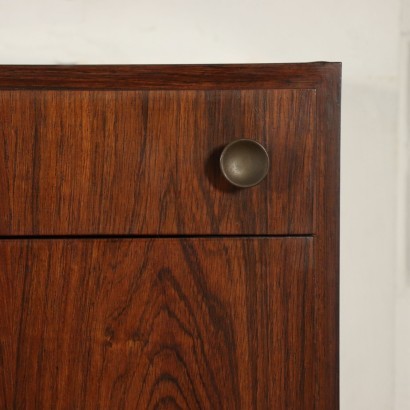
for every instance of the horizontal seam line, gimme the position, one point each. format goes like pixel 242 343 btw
pixel 119 236
pixel 153 88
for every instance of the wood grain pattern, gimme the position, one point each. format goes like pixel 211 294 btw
pixel 154 77
pixel 68 136
pixel 157 323
pixel 326 242
pixel 147 162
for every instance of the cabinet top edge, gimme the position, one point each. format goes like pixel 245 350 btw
pixel 187 76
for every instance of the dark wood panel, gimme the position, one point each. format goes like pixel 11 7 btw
pixel 327 199
pixel 149 77
pixel 160 323
pixel 147 162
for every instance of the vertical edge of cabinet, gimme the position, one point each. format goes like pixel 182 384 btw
pixel 326 248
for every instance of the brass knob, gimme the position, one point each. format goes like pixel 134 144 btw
pixel 244 163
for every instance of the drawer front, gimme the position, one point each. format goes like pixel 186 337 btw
pixel 147 161
pixel 106 324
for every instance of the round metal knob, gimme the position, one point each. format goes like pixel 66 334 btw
pixel 244 163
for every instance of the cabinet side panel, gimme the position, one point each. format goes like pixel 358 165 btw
pixel 327 212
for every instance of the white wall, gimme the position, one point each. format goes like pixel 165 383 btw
pixel 363 34
pixel 402 323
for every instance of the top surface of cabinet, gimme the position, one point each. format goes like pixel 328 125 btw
pixel 135 150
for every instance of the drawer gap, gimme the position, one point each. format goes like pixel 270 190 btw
pixel 120 236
